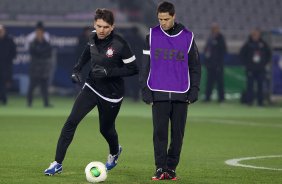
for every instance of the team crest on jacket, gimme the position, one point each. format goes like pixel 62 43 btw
pixel 110 52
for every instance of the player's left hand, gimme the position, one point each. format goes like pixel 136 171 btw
pixel 76 78
pixel 147 96
pixel 99 71
pixel 192 95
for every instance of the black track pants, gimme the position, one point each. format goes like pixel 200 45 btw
pixel 164 111
pixel 84 103
pixel 43 83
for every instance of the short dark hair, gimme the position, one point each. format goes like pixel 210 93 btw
pixel 39 25
pixel 105 15
pixel 165 7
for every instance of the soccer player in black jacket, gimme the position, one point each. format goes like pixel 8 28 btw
pixel 111 59
pixel 166 104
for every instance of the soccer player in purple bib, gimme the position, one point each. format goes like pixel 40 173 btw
pixel 170 78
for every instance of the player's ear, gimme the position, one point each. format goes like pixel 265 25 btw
pixel 112 27
pixel 94 24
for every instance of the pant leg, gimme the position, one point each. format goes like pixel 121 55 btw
pixel 220 83
pixel 161 114
pixel 178 122
pixel 84 103
pixel 211 79
pixel 250 87
pixel 108 112
pixel 259 80
pixel 44 91
pixel 3 90
pixel 32 85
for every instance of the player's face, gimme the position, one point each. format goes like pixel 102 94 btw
pixel 39 34
pixel 2 32
pixel 103 29
pixel 166 20
pixel 255 35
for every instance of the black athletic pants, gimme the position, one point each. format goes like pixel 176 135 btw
pixel 164 111
pixel 43 83
pixel 252 78
pixel 215 76
pixel 84 103
pixel 3 91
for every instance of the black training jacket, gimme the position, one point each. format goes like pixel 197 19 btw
pixel 249 49
pixel 114 54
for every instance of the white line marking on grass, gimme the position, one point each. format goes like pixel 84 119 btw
pixel 234 122
pixel 235 162
pixel 238 122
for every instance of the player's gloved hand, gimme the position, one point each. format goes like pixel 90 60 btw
pixel 147 96
pixel 192 95
pixel 76 78
pixel 99 71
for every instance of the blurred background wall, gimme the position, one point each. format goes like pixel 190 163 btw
pixel 64 21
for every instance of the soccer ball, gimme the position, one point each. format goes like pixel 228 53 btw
pixel 95 172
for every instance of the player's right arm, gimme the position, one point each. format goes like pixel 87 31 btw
pixel 147 95
pixel 83 59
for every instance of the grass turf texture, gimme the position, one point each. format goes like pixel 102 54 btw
pixel 214 133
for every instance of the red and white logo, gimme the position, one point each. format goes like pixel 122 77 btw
pixel 110 52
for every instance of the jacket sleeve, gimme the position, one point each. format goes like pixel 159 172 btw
pixel 12 55
pixel 194 73
pixel 244 55
pixel 129 66
pixel 268 53
pixel 83 59
pixel 13 50
pixel 223 48
pixel 147 95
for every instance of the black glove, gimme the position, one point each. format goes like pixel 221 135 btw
pixel 99 71
pixel 147 96
pixel 76 78
pixel 192 95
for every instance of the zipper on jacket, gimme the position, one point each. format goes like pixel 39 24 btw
pixel 169 95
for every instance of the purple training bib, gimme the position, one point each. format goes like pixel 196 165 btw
pixel 169 71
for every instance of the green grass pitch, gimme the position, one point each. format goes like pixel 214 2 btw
pixel 214 134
